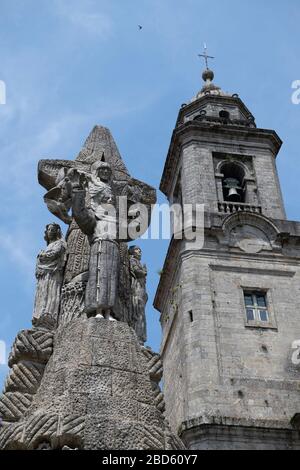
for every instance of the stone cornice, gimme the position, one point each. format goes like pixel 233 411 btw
pixel 225 100
pixel 210 420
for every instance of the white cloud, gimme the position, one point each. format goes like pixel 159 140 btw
pixel 17 250
pixel 22 155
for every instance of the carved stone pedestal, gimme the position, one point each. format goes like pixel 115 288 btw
pixel 99 391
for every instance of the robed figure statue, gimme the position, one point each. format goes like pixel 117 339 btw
pixel 139 295
pixel 49 274
pixel 94 209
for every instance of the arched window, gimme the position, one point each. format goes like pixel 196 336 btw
pixel 224 114
pixel 233 182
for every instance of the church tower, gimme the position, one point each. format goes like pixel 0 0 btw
pixel 230 308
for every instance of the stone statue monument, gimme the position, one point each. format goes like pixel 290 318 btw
pixel 78 380
pixel 99 223
pixel 49 274
pixel 138 273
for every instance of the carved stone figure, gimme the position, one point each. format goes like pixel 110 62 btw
pixel 49 275
pixel 138 273
pixel 99 222
pixel 53 175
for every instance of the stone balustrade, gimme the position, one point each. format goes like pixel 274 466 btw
pixel 232 207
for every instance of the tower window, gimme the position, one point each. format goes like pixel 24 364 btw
pixel 233 183
pixel 256 307
pixel 224 114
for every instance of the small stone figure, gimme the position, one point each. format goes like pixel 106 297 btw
pixel 99 222
pixel 49 275
pixel 139 295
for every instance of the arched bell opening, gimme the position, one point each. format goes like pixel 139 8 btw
pixel 233 183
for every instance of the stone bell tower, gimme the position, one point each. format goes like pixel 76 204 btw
pixel 230 309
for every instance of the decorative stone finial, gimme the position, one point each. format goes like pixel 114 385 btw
pixel 208 75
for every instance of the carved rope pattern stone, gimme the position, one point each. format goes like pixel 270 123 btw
pixel 13 405
pixel 24 377
pixel 32 344
pixel 40 427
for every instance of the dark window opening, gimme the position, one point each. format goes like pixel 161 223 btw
pixel 191 316
pixel 233 183
pixel 224 114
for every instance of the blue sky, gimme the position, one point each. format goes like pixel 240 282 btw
pixel 71 64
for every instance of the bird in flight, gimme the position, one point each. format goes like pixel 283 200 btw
pixel 140 27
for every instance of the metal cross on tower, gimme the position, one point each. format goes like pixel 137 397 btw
pixel 205 56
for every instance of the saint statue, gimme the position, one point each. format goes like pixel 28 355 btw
pixel 138 273
pixel 95 211
pixel 49 275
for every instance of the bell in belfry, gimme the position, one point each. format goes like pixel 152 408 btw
pixel 234 189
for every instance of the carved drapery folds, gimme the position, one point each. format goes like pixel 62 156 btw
pixel 72 301
pixel 49 275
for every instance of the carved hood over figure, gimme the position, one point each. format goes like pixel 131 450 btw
pixel 49 274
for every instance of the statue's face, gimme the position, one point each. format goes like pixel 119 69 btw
pixel 51 232
pixel 104 173
pixel 138 253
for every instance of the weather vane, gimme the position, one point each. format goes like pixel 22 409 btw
pixel 206 56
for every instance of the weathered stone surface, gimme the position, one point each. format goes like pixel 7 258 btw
pixel 96 393
pixel 11 436
pixel 72 300
pixel 33 345
pixel 13 405
pixel 30 353
pixel 24 377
